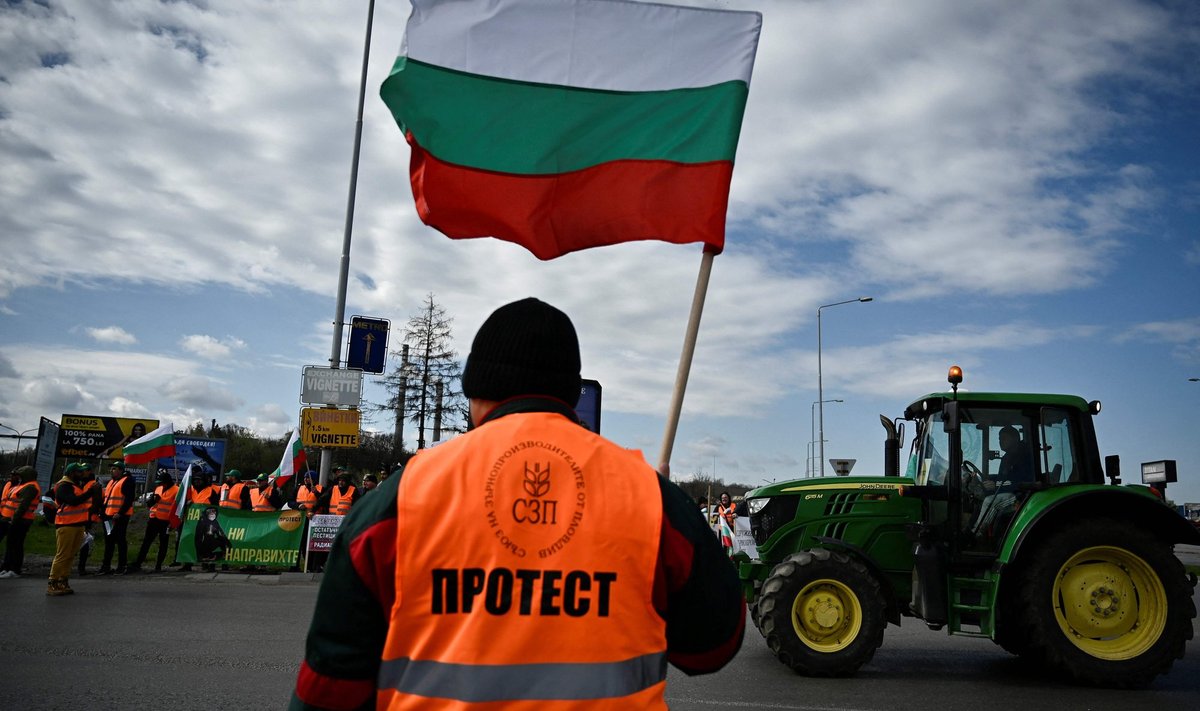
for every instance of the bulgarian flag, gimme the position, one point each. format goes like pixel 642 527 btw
pixel 567 124
pixel 181 499
pixel 294 460
pixel 156 445
pixel 725 534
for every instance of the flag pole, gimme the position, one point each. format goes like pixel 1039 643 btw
pixel 685 363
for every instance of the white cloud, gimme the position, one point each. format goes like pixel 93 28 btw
pixel 199 392
pixel 209 347
pixel 112 334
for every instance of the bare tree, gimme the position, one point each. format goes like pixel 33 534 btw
pixel 425 389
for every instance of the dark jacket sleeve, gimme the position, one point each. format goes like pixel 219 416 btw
pixel 64 494
pixel 697 590
pixel 350 621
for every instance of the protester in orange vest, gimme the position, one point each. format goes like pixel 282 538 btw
pixel 13 480
pixel 118 508
pixel 161 503
pixel 564 551
pixel 264 496
pixel 235 494
pixel 340 498
pixel 17 509
pixel 726 509
pixel 73 504
pixel 92 488
pixel 308 494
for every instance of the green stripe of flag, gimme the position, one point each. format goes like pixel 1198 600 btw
pixel 538 129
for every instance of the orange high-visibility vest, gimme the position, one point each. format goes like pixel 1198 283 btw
pixel 231 496
pixel 547 566
pixel 8 486
pixel 12 500
pixel 307 497
pixel 166 502
pixel 260 500
pixel 204 496
pixel 73 514
pixel 339 503
pixel 114 500
pixel 90 488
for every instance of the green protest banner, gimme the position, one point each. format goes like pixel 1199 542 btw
pixel 212 534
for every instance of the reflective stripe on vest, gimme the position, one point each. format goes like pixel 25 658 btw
pixel 513 682
pixel 232 495
pixel 538 592
pixel 260 500
pixel 73 514
pixel 339 503
pixel 12 500
pixel 114 500
pixel 166 502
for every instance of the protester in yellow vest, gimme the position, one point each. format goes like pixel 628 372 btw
pixel 161 503
pixel 73 504
pixel 17 508
pixel 566 575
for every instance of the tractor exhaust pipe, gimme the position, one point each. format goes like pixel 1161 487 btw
pixel 891 448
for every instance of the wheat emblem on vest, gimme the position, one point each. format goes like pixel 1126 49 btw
pixel 537 480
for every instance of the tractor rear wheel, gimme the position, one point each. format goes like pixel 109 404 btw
pixel 822 613
pixel 1105 602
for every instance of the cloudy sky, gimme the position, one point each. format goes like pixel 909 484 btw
pixel 1014 183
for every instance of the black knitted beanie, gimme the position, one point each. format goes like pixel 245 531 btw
pixel 527 347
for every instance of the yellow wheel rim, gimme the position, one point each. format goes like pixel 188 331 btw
pixel 826 615
pixel 1109 603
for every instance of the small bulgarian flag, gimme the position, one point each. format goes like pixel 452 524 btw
pixel 181 499
pixel 294 460
pixel 562 125
pixel 726 534
pixel 156 445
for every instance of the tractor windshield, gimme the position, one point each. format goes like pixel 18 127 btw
pixel 930 457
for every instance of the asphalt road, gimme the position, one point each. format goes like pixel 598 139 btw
pixel 178 642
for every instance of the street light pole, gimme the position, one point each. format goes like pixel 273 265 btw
pixel 820 387
pixel 812 438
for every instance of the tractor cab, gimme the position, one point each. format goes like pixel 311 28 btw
pixel 1004 447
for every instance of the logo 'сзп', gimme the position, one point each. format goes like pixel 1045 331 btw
pixel 535 509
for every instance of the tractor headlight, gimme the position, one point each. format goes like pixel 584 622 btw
pixel 757 505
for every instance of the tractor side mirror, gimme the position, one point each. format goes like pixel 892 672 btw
pixel 1112 468
pixel 950 416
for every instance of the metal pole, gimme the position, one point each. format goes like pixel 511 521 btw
pixel 820 389
pixel 335 354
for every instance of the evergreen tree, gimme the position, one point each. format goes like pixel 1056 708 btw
pixel 425 389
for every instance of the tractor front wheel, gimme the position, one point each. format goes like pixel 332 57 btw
pixel 1107 603
pixel 822 613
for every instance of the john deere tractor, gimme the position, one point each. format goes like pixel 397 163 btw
pixel 1001 527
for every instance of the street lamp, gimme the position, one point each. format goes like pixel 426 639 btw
pixel 812 437
pixel 18 436
pixel 820 387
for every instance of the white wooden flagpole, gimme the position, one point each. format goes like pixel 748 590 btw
pixel 685 363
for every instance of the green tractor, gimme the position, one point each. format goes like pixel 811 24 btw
pixel 1001 527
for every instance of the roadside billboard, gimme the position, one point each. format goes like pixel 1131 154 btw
pixel 47 444
pixel 99 437
pixel 206 453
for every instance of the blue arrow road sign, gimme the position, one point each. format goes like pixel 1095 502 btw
pixel 368 344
